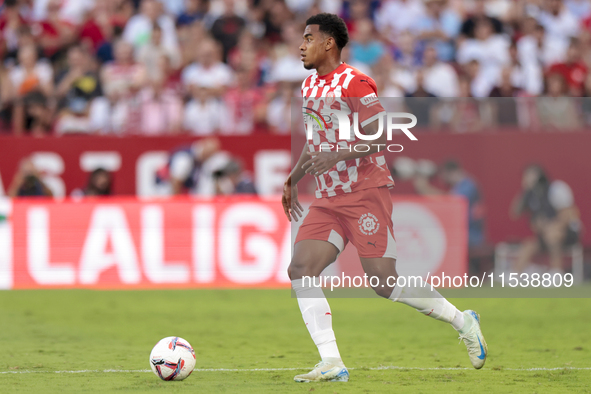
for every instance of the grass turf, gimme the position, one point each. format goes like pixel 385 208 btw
pixel 73 330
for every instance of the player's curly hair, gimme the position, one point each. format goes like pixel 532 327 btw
pixel 332 25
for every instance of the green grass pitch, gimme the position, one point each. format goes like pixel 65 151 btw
pixel 75 330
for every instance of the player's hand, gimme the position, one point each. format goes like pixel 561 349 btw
pixel 321 162
pixel 289 200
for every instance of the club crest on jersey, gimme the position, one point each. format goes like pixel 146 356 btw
pixel 368 224
pixel 330 98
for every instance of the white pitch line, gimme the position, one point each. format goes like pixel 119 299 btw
pixel 299 369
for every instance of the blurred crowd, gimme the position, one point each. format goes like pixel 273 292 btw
pixel 205 67
pixel 549 205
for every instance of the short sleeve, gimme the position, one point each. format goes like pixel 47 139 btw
pixel 362 96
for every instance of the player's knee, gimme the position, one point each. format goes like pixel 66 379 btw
pixel 297 269
pixel 302 266
pixel 384 291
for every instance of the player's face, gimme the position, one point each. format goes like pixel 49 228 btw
pixel 313 48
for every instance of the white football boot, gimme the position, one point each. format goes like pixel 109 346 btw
pixel 472 337
pixel 325 372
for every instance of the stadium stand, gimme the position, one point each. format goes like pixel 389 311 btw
pixel 153 67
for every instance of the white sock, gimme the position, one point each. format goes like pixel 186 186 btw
pixel 430 303
pixel 318 318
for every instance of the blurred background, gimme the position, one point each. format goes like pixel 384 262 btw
pixel 116 101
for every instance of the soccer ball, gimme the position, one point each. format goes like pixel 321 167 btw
pixel 172 358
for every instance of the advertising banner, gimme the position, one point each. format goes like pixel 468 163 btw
pixel 122 243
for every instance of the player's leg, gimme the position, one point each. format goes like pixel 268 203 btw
pixel 430 303
pixel 527 251
pixel 319 241
pixel 369 222
pixel 553 234
pixel 422 298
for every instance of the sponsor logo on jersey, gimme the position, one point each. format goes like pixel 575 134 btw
pixel 370 98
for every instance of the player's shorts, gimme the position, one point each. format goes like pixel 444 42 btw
pixel 363 217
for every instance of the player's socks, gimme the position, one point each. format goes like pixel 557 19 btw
pixel 318 318
pixel 430 303
pixel 458 321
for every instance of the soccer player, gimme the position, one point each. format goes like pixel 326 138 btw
pixel 353 203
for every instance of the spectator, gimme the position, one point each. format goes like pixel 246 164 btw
pixel 358 10
pixel 209 71
pixel 232 180
pixel 489 49
pixel 558 21
pixel 393 80
pixel 11 23
pixel 245 106
pixel 99 184
pixel 580 9
pixel 460 184
pixel 364 48
pixel 161 110
pixel 139 27
pixel 477 14
pixel 98 27
pixel 286 64
pixel 30 86
pixel 149 55
pixel 439 78
pixel 279 109
pixel 74 118
pixel 541 48
pixel 227 28
pixel 439 26
pixel 55 33
pixel 170 76
pixel 466 117
pixel 31 74
pixel 79 80
pixel 203 114
pixel 123 77
pixel 553 216
pixel 24 38
pixel 407 53
pixel 556 111
pixel 421 102
pixel 194 11
pixel 525 76
pixel 573 70
pixel 174 7
pixel 479 83
pixel 78 90
pixel 248 53
pixel 277 15
pixel 188 35
pixel 71 11
pixel 396 16
pixel 506 106
pixel 27 182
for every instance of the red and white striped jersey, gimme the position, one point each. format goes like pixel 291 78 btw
pixel 344 89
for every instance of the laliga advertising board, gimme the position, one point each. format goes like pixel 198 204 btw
pixel 233 242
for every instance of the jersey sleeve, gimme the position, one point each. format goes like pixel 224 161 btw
pixel 362 96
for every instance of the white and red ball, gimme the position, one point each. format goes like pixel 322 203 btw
pixel 172 358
